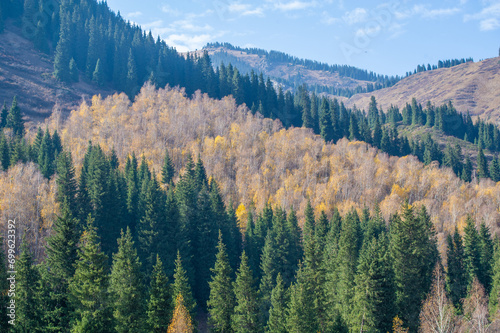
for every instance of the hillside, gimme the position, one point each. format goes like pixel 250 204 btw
pixel 27 73
pixel 291 72
pixel 472 86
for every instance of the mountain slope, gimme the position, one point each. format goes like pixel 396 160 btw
pixel 27 73
pixel 472 86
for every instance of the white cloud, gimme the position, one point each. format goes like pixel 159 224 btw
pixel 185 42
pixel 489 24
pixel 327 19
pixel 488 17
pixel 369 31
pixel 355 16
pixel 245 9
pixel 188 25
pixel 167 9
pixel 425 12
pixel 134 14
pixel 294 5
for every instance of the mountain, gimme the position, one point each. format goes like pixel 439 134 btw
pixel 289 71
pixel 472 86
pixel 27 73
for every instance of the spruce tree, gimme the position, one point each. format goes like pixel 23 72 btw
pixel 482 165
pixel 132 84
pixel 413 251
pixel 126 290
pixel 221 302
pixel 15 119
pixel 325 121
pixel 3 115
pixel 46 155
pixel 182 287
pixel 269 271
pixel 67 187
pixel 73 71
pixel 374 300
pixel 89 286
pixel 495 169
pixel 168 171
pixel 301 315
pixel 456 278
pixel 159 308
pixel 472 250
pixel 61 257
pixel 277 312
pixel 28 312
pixel 4 152
pixel 494 299
pixel 466 174
pixel 486 257
pixel 246 312
pixel 63 52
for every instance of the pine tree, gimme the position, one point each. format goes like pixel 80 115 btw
pixel 269 272
pixel 126 290
pixel 181 287
pixel 221 301
pixel 181 321
pixel 159 307
pixel 495 169
pixel 132 79
pixel 46 155
pixel 4 152
pixel 15 119
pixel 3 115
pixel 246 312
pixel 67 187
pixel 495 289
pixel 89 286
pixel 28 313
pixel 168 171
pixel 277 312
pixel 325 121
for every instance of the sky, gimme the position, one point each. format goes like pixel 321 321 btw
pixel 389 38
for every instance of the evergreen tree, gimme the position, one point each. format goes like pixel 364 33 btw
pixel 269 272
pixel 61 257
pixel 414 253
pixel 495 289
pixel 132 78
pixel 466 174
pixel 486 257
pixel 3 115
pixel 472 250
pixel 374 300
pixel 15 119
pixel 46 155
pixel 301 315
pixel 28 312
pixel 4 152
pixel 168 171
pixel 181 287
pixel 63 52
pixel 482 165
pixel 325 121
pixel 456 279
pixel 73 71
pixel 277 312
pixel 89 286
pixel 159 307
pixel 221 301
pixel 126 290
pixel 66 182
pixel 246 312
pixel 495 169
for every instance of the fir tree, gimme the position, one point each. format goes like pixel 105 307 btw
pixel 126 290
pixel 66 182
pixel 246 312
pixel 3 115
pixel 73 71
pixel 221 301
pixel 495 289
pixel 495 169
pixel 472 250
pixel 63 51
pixel 4 152
pixel 466 174
pixel 132 79
pixel 159 307
pixel 325 121
pixel 89 286
pixel 486 257
pixel 301 315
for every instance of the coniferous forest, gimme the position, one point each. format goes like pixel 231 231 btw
pixel 201 199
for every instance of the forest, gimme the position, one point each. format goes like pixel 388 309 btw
pixel 203 199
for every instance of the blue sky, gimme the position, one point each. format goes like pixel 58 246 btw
pixel 386 37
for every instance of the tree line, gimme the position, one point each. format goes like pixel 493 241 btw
pixel 122 235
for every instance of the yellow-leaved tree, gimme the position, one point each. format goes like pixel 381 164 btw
pixel 181 320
